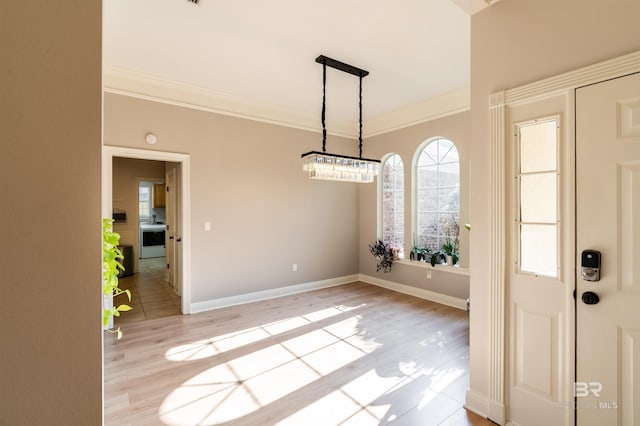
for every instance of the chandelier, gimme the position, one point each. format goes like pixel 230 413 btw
pixel 344 168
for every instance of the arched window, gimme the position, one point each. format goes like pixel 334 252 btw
pixel 437 194
pixel 392 197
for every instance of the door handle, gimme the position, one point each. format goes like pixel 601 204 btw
pixel 179 239
pixel 171 237
pixel 590 298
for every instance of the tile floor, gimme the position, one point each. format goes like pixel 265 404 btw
pixel 151 296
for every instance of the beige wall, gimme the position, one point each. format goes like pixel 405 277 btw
pixel 50 116
pixel 126 172
pixel 405 142
pixel 247 180
pixel 512 43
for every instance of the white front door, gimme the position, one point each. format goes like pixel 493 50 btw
pixel 608 221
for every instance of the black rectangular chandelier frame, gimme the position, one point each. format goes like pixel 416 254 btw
pixel 356 169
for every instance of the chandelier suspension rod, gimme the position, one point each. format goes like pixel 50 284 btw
pixel 324 106
pixel 360 108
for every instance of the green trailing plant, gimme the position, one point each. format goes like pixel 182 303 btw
pixel 111 266
pixel 384 253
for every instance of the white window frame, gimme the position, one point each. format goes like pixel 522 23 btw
pixel 414 184
pixel 380 224
pixel 149 188
pixel 518 195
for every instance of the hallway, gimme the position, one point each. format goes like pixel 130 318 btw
pixel 151 296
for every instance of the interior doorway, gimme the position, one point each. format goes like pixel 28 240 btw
pixel 179 166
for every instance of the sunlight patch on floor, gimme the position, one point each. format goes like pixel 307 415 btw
pixel 243 385
pixel 248 382
pixel 226 342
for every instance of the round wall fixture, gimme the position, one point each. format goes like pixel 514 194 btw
pixel 151 138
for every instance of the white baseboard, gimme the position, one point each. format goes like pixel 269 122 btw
pixel 258 296
pixel 477 403
pixel 417 292
pixel 497 413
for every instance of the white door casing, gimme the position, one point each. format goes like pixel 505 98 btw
pixel 108 152
pixel 608 220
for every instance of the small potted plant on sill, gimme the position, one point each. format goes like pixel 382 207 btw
pixel 450 252
pixel 384 254
pixel 437 258
pixel 451 246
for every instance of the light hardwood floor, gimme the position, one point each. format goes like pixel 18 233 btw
pixel 349 355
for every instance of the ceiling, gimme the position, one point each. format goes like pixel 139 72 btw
pixel 257 59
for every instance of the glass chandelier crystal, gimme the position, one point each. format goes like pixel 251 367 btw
pixel 325 166
pixel 338 167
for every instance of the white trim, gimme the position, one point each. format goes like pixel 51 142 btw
pixel 498 234
pixel 259 296
pixel 450 103
pixel 497 412
pixel 443 268
pixel 108 152
pixel 591 74
pixel 499 102
pixel 122 81
pixel 477 403
pixel 443 299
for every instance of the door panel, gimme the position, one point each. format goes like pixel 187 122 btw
pixel 608 220
pixel 173 231
pixel 538 286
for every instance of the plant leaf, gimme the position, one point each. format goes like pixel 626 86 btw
pixel 124 308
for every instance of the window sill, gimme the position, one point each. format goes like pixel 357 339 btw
pixel 444 268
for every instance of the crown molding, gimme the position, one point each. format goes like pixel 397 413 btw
pixel 122 81
pixel 453 102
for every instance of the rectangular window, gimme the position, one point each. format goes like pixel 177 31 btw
pixel 392 187
pixel 144 201
pixel 537 186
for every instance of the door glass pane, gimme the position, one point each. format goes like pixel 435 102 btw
pixel 538 200
pixel 538 249
pixel 538 145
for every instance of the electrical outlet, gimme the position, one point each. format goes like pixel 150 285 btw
pixel 428 275
pixel 294 268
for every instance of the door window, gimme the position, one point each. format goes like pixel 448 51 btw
pixel 537 187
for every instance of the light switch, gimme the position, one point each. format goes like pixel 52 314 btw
pixel 207 226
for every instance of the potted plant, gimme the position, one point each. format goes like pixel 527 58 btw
pixel 437 257
pixel 111 256
pixel 384 253
pixel 451 253
pixel 451 246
